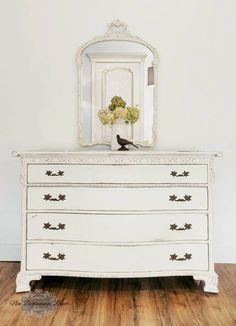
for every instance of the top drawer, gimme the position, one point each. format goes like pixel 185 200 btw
pixel 92 173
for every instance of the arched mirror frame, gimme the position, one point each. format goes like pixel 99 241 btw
pixel 117 31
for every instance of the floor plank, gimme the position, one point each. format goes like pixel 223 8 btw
pixel 167 301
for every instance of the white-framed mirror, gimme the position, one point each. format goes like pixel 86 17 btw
pixel 117 64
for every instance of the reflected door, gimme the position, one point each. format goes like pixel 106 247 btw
pixel 107 72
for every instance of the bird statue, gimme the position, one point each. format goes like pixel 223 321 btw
pixel 123 142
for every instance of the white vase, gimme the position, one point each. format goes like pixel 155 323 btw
pixel 118 128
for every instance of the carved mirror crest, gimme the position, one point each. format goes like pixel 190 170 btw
pixel 117 64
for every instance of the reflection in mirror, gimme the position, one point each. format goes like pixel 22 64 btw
pixel 116 68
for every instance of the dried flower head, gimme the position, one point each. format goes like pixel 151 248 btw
pixel 117 111
pixel 133 114
pixel 116 102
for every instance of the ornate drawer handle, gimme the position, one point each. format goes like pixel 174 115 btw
pixel 175 198
pixel 50 174
pixel 174 227
pixel 186 257
pixel 50 227
pixel 183 174
pixel 50 198
pixel 47 255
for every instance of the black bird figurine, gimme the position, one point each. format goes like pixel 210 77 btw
pixel 123 142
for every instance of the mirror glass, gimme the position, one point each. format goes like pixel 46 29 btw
pixel 116 68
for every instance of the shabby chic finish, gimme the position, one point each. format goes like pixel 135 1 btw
pixel 111 214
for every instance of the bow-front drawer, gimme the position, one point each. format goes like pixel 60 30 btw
pixel 117 227
pixel 117 198
pixel 102 258
pixel 42 173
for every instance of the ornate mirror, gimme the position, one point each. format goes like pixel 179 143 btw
pixel 122 65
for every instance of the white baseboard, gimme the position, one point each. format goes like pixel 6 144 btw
pixel 222 254
pixel 225 254
pixel 10 252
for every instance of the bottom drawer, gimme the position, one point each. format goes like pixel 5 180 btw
pixel 102 258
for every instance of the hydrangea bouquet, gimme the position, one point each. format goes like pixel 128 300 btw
pixel 118 111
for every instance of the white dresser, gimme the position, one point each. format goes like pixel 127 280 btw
pixel 113 214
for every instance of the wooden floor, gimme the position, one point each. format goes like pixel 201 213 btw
pixel 170 301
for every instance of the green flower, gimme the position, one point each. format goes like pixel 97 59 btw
pixel 116 102
pixel 117 110
pixel 132 114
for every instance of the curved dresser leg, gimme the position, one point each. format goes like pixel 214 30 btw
pixel 210 281
pixel 23 280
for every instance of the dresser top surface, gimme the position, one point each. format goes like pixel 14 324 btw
pixel 117 153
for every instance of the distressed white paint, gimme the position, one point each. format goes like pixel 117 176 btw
pixel 101 258
pixel 117 198
pixel 117 228
pixel 94 173
pixel 93 242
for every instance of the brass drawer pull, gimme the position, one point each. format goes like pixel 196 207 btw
pixel 50 227
pixel 58 174
pixel 175 198
pixel 50 198
pixel 176 174
pixel 186 257
pixel 174 227
pixel 47 255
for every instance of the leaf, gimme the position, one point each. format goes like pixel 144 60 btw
pixel 173 226
pixel 188 256
pixel 173 257
pixel 172 198
pixel 61 256
pixel 187 197
pixel 46 255
pixel 47 197
pixel 47 225
pixel 188 226
pixel 62 197
pixel 61 226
